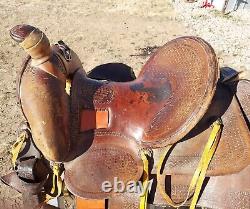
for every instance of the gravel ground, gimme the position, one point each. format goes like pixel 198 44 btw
pixel 228 34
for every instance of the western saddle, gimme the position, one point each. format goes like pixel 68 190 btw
pixel 180 121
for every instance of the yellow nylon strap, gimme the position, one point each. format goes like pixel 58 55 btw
pixel 200 172
pixel 57 184
pixel 17 146
pixel 206 158
pixel 145 179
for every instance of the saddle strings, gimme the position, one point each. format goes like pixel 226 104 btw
pixel 200 172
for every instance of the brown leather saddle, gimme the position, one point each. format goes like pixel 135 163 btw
pixel 99 130
pixel 227 182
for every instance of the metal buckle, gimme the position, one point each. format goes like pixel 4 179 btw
pixel 65 50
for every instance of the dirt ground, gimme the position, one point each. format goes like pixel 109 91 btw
pixel 99 31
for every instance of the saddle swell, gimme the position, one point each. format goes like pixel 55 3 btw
pixel 41 91
pixel 46 109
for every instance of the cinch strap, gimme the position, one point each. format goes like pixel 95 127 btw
pixel 200 172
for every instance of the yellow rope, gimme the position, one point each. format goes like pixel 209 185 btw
pixel 145 179
pixel 200 172
pixel 57 184
pixel 17 146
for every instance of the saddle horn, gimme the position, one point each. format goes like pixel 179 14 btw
pixel 37 45
pixel 33 41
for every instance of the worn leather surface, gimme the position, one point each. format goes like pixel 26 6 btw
pixel 175 99
pixel 234 145
pixel 243 96
pixel 125 201
pixel 151 111
pixel 22 186
pixel 219 192
pixel 41 91
pixel 45 105
pixel 155 108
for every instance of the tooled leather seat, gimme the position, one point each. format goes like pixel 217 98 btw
pixel 100 128
pixel 152 111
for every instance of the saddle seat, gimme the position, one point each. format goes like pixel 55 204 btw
pixel 170 95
